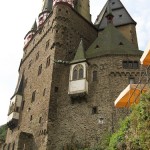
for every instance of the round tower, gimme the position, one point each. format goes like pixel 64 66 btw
pixel 30 34
pixel 46 9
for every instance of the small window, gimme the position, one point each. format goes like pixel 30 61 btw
pixel 97 46
pixel 94 75
pixel 101 121
pixel 40 69
pixel 48 61
pixel 47 45
pixel 37 56
pixel 120 16
pixel 56 89
pixel 30 63
pixel 80 73
pixel 40 119
pixel 135 64
pixel 94 110
pixel 75 74
pixel 13 146
pixel 44 91
pixel 120 43
pixel 33 96
pixel 31 118
pixel 17 109
pixel 131 80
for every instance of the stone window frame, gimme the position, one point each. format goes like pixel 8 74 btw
pixel 129 64
pixel 131 80
pixel 78 72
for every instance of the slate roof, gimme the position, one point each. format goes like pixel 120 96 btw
pixel 47 5
pixel 111 41
pixel 80 54
pixel 34 27
pixel 121 16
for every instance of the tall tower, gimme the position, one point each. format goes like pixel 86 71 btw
pixel 69 76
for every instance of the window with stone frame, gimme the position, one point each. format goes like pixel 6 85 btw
pixel 48 61
pixel 33 96
pixel 78 72
pixel 130 64
pixel 94 75
pixel 40 69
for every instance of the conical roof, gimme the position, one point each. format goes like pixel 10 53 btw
pixel 111 41
pixel 34 27
pixel 80 53
pixel 47 5
pixel 121 16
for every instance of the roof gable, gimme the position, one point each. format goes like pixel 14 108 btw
pixel 121 16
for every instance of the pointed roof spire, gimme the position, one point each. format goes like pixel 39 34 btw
pixel 121 15
pixel 109 14
pixel 34 27
pixel 80 54
pixel 47 5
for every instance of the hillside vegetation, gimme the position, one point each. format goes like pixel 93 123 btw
pixel 3 130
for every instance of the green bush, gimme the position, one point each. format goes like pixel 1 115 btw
pixel 3 131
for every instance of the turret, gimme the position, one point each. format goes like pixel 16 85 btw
pixel 30 34
pixel 15 105
pixel 78 84
pixel 83 8
pixel 46 9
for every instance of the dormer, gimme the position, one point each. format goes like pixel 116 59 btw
pixel 15 105
pixel 78 83
pixel 30 34
pixel 47 8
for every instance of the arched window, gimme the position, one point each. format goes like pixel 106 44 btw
pixel 94 76
pixel 78 72
pixel 75 74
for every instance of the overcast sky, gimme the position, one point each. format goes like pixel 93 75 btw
pixel 17 17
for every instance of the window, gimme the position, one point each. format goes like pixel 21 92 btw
pixel 40 69
pixel 48 61
pixel 40 119
pixel 44 91
pixel 131 80
pixel 75 74
pixel 30 63
pixel 130 64
pixel 56 89
pixel 94 75
pixel 94 110
pixel 13 147
pixel 33 96
pixel 37 56
pixel 47 45
pixel 31 118
pixel 78 72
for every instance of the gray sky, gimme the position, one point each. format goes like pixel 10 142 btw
pixel 17 17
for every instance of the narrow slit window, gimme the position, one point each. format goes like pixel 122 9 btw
pixel 94 76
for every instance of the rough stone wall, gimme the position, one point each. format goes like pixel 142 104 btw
pixel 58 38
pixel 75 123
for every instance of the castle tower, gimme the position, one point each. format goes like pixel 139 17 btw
pixel 83 7
pixel 69 77
pixel 122 20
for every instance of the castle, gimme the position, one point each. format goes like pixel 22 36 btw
pixel 70 74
